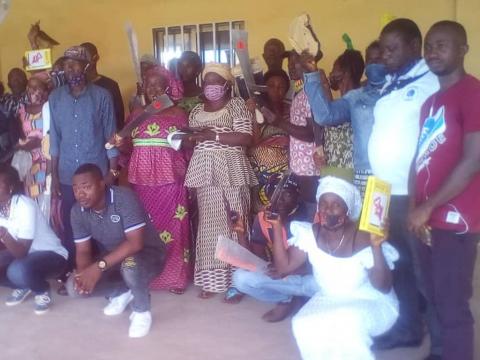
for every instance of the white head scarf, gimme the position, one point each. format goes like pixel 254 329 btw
pixel 348 192
pixel 220 69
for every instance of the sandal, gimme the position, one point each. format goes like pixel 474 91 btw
pixel 177 291
pixel 232 296
pixel 205 294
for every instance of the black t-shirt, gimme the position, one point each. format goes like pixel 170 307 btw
pixel 112 87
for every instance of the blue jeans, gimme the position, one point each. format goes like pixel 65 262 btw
pixel 262 287
pixel 135 273
pixel 32 271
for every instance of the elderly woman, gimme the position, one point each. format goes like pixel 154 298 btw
pixel 355 300
pixel 220 173
pixel 157 173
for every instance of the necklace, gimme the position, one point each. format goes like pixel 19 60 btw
pixel 331 252
pixel 5 209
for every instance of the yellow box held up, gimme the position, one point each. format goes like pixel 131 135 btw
pixel 38 59
pixel 375 206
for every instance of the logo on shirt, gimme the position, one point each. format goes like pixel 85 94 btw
pixel 411 93
pixel 115 218
pixel 431 136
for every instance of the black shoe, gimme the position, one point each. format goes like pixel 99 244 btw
pixel 391 341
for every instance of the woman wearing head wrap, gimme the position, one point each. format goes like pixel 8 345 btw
pixel 220 173
pixel 352 269
pixel 157 173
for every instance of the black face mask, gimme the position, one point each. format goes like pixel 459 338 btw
pixel 332 222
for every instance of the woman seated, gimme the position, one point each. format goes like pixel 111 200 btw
pixel 30 252
pixel 352 268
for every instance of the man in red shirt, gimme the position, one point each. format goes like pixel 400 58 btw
pixel 445 180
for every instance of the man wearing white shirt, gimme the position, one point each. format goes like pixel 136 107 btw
pixel 391 149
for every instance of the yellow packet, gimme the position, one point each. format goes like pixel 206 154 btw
pixel 375 206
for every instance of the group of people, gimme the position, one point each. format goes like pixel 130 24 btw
pixel 288 188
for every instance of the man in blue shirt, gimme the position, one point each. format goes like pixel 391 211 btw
pixel 82 120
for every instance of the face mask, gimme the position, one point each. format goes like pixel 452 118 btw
pixel 375 74
pixel 331 221
pixel 76 80
pixel 214 92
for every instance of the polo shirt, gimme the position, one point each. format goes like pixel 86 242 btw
pixel 394 137
pixel 123 213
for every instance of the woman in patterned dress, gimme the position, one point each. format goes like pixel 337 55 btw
pixel 269 153
pixel 31 118
pixel 157 173
pixel 345 76
pixel 220 173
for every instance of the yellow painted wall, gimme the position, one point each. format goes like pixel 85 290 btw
pixel 102 22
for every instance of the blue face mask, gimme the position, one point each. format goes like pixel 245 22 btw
pixel 375 74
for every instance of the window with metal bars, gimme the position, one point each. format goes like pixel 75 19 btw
pixel 212 41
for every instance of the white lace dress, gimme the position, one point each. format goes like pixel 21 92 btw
pixel 338 322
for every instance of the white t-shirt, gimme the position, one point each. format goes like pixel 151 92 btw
pixel 396 128
pixel 26 221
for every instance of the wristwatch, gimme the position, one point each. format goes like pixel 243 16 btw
pixel 115 173
pixel 102 264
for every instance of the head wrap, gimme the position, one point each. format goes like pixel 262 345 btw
pixel 348 192
pixel 220 69
pixel 149 59
pixel 174 87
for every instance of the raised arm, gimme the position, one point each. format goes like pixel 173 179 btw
pixel 326 112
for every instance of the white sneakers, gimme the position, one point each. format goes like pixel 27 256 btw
pixel 140 322
pixel 118 304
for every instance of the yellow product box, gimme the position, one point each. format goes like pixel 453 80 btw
pixel 38 59
pixel 375 205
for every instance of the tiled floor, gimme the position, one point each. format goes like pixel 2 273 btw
pixel 185 328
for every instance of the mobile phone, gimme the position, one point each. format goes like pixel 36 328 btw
pixel 271 215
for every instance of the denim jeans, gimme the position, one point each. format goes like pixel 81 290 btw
pixel 32 271
pixel 262 287
pixel 134 273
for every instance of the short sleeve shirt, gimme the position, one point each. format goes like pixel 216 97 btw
pixel 446 118
pixel 26 221
pixel 123 213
